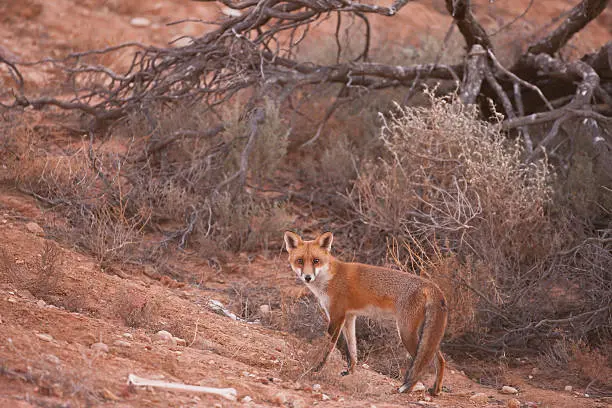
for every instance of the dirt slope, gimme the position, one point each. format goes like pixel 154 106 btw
pixel 47 357
pixel 46 354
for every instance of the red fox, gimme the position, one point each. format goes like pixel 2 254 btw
pixel 346 290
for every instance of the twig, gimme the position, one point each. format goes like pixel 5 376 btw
pixel 519 80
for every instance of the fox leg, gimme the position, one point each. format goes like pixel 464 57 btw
pixel 334 330
pixel 351 344
pixel 410 340
pixel 440 364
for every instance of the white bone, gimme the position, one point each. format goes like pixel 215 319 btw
pixel 227 393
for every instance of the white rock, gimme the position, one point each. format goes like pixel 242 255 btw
pixel 264 309
pixel 52 358
pixel 164 337
pixel 34 228
pixel 508 390
pixel 140 22
pixel 246 399
pixel 325 397
pixel 569 388
pixel 316 387
pixel 480 397
pixel 44 337
pixel 419 387
pixel 41 303
pixel 122 343
pixel 279 398
pixel 101 347
pixel 128 335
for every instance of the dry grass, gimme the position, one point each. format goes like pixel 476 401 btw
pixel 137 309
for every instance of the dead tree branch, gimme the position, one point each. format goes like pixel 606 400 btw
pixel 471 29
pixel 577 19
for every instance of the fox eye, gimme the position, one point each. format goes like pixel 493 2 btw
pixel 315 261
pixel 300 261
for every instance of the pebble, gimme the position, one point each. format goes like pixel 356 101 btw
pixel 299 403
pixel 140 22
pixel 325 397
pixel 52 358
pixel 101 347
pixel 34 228
pixel 44 337
pixel 122 343
pixel 164 337
pixel 128 335
pixel 41 303
pixel 480 397
pixel 508 390
pixel 279 398
pixel 264 309
pixel 513 403
pixel 419 387
pixel 316 387
pixel 569 388
pixel 246 399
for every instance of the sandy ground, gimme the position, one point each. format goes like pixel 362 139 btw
pixel 47 352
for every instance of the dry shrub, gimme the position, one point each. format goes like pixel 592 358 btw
pixel 593 365
pixel 137 309
pixel 46 282
pixel 194 182
pixel 454 195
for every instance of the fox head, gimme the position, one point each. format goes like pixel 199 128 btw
pixel 309 259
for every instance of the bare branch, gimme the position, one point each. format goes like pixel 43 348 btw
pixel 579 17
pixel 475 72
pixel 471 29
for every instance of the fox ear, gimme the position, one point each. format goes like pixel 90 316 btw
pixel 325 240
pixel 292 240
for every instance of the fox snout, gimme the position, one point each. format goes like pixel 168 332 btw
pixel 308 278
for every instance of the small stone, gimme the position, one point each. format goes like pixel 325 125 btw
pixel 479 397
pixel 530 377
pixel 52 358
pixel 419 387
pixel 279 398
pixel 140 22
pixel 508 390
pixel 569 388
pixel 316 387
pixel 41 303
pixel 299 403
pixel 128 335
pixel 164 337
pixel 364 365
pixel 586 395
pixel 246 399
pixel 101 347
pixel 325 397
pixel 44 337
pixel 513 403
pixel 427 398
pixel 264 309
pixel 122 343
pixel 34 228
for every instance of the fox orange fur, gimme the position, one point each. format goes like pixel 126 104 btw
pixel 346 290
